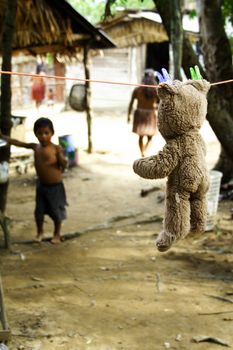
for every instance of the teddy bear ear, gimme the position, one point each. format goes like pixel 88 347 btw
pixel 171 89
pixel 201 85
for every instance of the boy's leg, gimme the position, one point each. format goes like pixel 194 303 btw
pixel 39 227
pixel 57 232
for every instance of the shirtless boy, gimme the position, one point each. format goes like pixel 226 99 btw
pixel 49 163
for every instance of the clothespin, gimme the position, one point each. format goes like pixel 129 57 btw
pixel 164 77
pixel 195 73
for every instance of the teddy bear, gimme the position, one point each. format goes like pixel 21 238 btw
pixel 181 113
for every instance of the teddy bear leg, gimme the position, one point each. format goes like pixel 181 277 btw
pixel 164 241
pixel 198 213
pixel 177 220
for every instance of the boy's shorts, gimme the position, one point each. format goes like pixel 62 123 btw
pixel 51 200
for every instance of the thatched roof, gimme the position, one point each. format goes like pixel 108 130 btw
pixel 44 26
pixel 130 28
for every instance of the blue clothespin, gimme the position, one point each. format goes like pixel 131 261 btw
pixel 164 77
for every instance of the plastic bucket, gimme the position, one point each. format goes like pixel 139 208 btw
pixel 4 172
pixel 212 198
pixel 77 97
pixel 3 143
pixel 71 152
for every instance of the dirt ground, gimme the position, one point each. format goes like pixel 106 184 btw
pixel 106 287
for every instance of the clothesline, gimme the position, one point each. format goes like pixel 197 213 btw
pixel 93 80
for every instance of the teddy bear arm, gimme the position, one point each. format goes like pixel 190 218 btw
pixel 143 167
pixel 157 166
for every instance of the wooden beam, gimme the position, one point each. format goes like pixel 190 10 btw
pixel 3 317
pixel 5 335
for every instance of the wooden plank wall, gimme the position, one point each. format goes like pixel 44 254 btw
pixel 124 65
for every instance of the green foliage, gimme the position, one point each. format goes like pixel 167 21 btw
pixel 135 4
pixel 93 10
pixel 192 13
pixel 227 9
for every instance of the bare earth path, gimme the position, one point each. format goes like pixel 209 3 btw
pixel 106 287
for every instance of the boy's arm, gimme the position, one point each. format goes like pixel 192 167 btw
pixel 18 143
pixel 61 159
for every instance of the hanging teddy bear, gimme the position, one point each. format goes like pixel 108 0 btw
pixel 182 111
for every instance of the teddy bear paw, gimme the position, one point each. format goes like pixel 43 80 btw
pixel 165 241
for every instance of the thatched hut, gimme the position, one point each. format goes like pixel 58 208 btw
pixel 141 42
pixel 52 26
pixel 144 30
pixel 49 26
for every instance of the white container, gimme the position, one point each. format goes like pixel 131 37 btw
pixel 212 198
pixel 3 143
pixel 4 172
pixel 3 347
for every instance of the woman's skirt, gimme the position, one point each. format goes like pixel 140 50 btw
pixel 145 122
pixel 38 91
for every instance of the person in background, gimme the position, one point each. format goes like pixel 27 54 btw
pixel 38 89
pixel 145 114
pixel 50 96
pixel 49 164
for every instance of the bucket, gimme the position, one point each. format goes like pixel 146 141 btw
pixel 212 198
pixel 77 99
pixel 4 172
pixel 3 143
pixel 71 152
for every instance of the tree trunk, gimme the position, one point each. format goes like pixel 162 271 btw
pixel 219 109
pixel 86 61
pixel 5 107
pixel 225 165
pixel 218 60
pixel 176 37
pixel 216 48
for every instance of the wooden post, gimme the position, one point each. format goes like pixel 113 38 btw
pixel 59 69
pixel 5 333
pixel 86 61
pixel 4 223
pixel 5 108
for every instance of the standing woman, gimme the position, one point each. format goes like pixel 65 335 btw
pixel 145 115
pixel 38 89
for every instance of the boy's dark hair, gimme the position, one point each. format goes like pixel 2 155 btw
pixel 41 123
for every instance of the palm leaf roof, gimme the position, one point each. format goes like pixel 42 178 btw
pixel 52 26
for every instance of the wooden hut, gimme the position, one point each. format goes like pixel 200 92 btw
pixel 44 26
pixel 141 42
pixel 49 26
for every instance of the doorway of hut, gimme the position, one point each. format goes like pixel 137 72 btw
pixel 157 56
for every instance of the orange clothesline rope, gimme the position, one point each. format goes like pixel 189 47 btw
pixel 75 79
pixel 222 82
pixel 93 80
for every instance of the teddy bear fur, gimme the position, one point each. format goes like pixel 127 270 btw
pixel 182 111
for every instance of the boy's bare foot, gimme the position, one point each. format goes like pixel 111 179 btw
pixel 56 240
pixel 38 238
